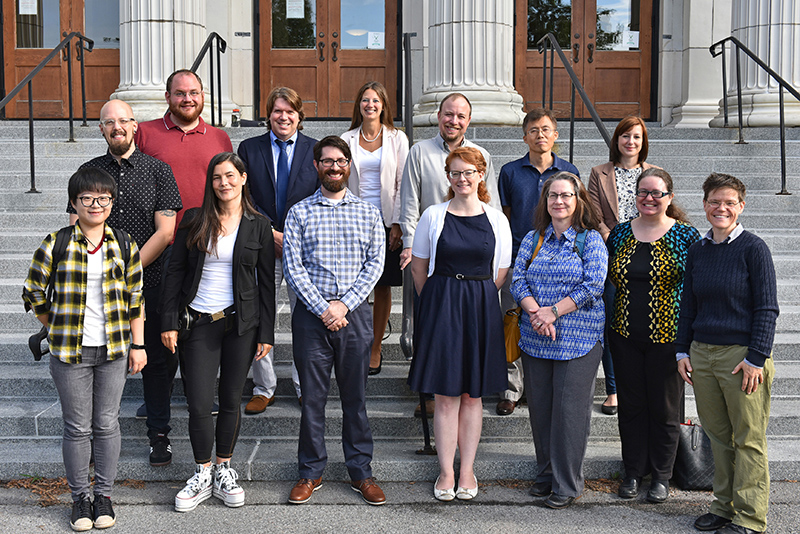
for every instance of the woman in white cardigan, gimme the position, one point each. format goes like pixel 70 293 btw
pixel 379 154
pixel 460 258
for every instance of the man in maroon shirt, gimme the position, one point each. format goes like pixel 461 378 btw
pixel 183 140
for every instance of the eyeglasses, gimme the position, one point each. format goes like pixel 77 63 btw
pixel 328 162
pixel 109 123
pixel 726 203
pixel 642 193
pixel 562 196
pixel 546 131
pixel 181 94
pixel 102 201
pixel 455 175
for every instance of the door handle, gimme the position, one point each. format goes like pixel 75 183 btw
pixel 321 45
pixel 334 46
pixel 590 46
pixel 575 50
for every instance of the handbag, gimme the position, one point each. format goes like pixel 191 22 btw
pixel 513 316
pixel 694 462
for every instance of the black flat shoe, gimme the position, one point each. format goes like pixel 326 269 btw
pixel 708 522
pixel 730 528
pixel 541 489
pixel 609 410
pixel 376 370
pixel 557 502
pixel 629 489
pixel 659 491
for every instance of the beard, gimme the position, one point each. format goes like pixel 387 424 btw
pixel 119 148
pixel 334 186
pixel 186 117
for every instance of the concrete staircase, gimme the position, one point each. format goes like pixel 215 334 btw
pixel 30 415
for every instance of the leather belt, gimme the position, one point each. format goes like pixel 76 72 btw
pixel 459 276
pixel 201 318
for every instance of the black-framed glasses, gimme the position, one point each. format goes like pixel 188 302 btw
pixel 102 201
pixel 109 123
pixel 328 162
pixel 642 193
pixel 455 175
pixel 563 196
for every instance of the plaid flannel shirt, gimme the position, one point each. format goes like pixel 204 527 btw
pixel 333 250
pixel 122 296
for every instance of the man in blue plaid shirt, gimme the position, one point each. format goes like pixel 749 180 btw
pixel 332 258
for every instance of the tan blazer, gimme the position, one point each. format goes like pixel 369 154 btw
pixel 393 160
pixel 603 192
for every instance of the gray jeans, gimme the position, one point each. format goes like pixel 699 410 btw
pixel 90 394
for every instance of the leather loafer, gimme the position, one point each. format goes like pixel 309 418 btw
pixel 506 407
pixel 430 406
pixel 707 522
pixel 629 489
pixel 558 502
pixel 369 490
pixel 541 489
pixel 258 403
pixel 659 491
pixel 730 528
pixel 302 491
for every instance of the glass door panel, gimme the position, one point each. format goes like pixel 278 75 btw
pixel 363 25
pixel 294 24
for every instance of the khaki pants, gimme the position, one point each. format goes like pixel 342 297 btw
pixel 736 424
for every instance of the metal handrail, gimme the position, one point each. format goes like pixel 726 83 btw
pixel 549 42
pixel 27 80
pixel 407 334
pixel 782 84
pixel 222 45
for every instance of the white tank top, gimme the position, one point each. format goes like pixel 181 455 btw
pixel 369 175
pixel 215 291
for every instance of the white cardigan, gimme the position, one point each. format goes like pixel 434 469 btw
pixel 430 228
pixel 393 160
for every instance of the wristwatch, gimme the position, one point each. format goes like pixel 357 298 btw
pixel 554 309
pixel 138 347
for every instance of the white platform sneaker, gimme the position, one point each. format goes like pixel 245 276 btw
pixel 197 490
pixel 225 486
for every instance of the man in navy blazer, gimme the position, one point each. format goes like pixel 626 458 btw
pixel 262 155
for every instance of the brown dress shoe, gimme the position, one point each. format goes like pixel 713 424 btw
pixel 258 403
pixel 430 406
pixel 505 407
pixel 369 490
pixel 302 491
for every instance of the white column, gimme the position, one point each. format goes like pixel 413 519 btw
pixel 157 37
pixel 771 30
pixel 471 51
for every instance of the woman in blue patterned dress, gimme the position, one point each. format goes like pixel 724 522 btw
pixel 561 290
pixel 647 263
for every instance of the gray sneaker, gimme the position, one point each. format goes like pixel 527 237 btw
pixel 225 486
pixel 197 490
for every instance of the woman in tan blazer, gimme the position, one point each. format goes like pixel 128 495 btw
pixel 379 152
pixel 612 188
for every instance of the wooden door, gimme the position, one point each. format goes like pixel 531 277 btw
pixel 326 50
pixel 608 46
pixel 33 28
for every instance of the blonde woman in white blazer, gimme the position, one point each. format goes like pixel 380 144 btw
pixel 379 152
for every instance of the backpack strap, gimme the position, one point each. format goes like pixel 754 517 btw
pixel 124 240
pixel 580 242
pixel 59 249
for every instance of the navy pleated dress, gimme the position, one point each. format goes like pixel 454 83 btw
pixel 458 332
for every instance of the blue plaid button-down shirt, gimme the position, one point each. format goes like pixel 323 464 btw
pixel 333 250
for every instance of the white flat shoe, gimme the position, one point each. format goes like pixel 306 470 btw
pixel 445 495
pixel 467 494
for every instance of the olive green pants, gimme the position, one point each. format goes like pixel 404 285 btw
pixel 736 424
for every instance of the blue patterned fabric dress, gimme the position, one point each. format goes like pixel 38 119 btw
pixel 458 338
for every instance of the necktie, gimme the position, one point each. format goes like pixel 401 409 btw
pixel 282 178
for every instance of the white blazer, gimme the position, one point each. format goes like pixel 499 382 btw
pixel 430 228
pixel 393 160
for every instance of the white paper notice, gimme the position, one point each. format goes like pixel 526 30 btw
pixel 295 9
pixel 27 7
pixel 630 40
pixel 375 40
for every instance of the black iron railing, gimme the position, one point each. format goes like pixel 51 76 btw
pixel 718 49
pixel 549 42
pixel 84 45
pixel 222 45
pixel 407 334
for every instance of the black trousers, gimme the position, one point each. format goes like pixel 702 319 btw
pixel 317 350
pixel 649 390
pixel 211 347
pixel 159 372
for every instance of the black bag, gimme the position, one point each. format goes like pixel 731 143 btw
pixel 694 463
pixel 185 324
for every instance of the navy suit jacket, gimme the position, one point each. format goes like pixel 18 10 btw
pixel 303 179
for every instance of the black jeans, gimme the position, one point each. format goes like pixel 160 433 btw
pixel 159 372
pixel 211 347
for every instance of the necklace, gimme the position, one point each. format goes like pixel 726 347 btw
pixel 374 138
pixel 97 247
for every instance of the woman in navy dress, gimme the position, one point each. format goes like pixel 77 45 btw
pixel 460 258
